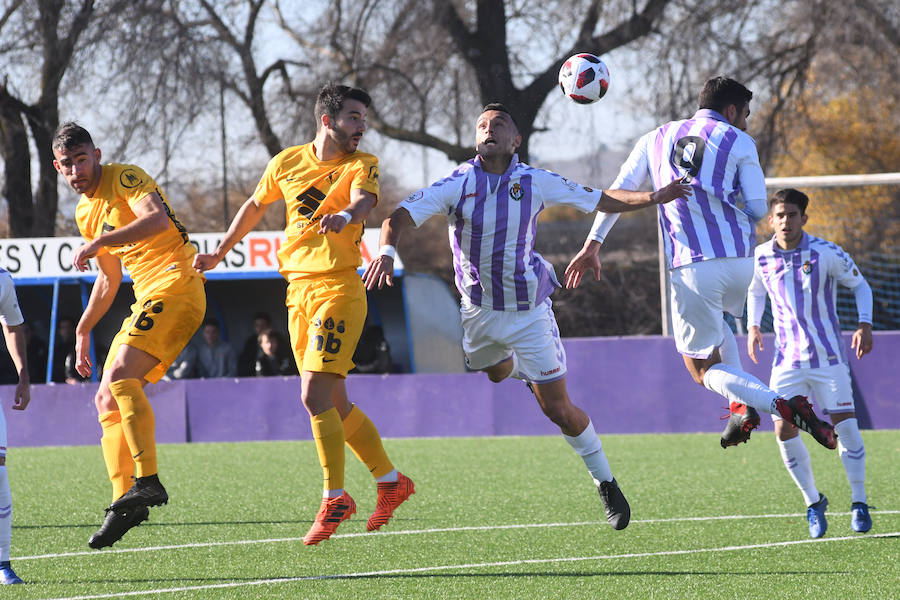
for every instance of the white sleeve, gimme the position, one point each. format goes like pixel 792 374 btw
pixel 756 298
pixel 10 314
pixel 636 167
pixel 864 302
pixel 436 199
pixel 752 181
pixel 556 190
pixel 603 222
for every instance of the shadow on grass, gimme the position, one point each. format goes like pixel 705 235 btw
pixel 203 523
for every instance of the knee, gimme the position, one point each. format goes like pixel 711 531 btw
pixel 2 461
pixel 698 376
pixel 104 400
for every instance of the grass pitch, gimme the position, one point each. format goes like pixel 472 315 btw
pixel 498 518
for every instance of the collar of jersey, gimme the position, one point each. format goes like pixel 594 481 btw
pixel 513 163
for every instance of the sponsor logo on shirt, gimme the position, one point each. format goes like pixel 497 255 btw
pixel 415 196
pixel 569 184
pixel 588 190
pixel 516 191
pixel 130 179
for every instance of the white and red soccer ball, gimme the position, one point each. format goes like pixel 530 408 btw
pixel 584 78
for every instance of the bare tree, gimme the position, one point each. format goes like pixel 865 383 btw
pixel 48 33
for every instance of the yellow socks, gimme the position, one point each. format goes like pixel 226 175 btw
pixel 116 453
pixel 363 439
pixel 329 435
pixel 138 424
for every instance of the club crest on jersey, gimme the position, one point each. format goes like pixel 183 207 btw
pixel 516 191
pixel 130 179
pixel 806 268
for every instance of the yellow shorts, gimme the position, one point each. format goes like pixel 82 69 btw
pixel 162 323
pixel 325 319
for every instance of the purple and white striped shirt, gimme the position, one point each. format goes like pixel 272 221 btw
pixel 492 229
pixel 802 286
pixel 728 184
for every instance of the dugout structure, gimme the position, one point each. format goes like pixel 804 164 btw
pixel 419 315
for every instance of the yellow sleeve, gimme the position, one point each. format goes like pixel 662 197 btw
pixel 366 177
pixel 133 184
pixel 268 190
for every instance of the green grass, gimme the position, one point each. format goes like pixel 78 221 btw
pixel 267 493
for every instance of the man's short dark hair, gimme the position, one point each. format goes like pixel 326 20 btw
pixel 214 322
pixel 264 316
pixel 69 135
pixel 499 108
pixel 331 99
pixel 720 92
pixel 790 196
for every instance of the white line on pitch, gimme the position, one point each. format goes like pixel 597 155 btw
pixel 419 532
pixel 484 565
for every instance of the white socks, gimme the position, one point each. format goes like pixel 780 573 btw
pixel 728 350
pixel 588 446
pixel 5 515
pixel 796 459
pixel 738 386
pixel 388 477
pixel 853 455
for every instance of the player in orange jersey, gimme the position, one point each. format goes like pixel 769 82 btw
pixel 329 187
pixel 126 221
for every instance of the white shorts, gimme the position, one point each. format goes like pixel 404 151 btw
pixel 701 293
pixel 829 386
pixel 492 336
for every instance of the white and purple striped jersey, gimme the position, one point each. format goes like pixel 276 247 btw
pixel 10 313
pixel 491 221
pixel 802 287
pixel 728 184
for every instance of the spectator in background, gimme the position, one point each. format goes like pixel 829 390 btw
pixel 64 357
pixel 185 365
pixel 273 357
pixel 37 354
pixel 215 358
pixel 248 358
pixel 373 355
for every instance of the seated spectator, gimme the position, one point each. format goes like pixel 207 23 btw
pixel 64 357
pixel 247 360
pixel 215 358
pixel 36 349
pixel 184 365
pixel 274 357
pixel 373 355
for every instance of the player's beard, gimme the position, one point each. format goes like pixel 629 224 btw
pixel 344 141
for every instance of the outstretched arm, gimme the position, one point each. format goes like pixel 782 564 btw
pixel 249 215
pixel 380 271
pixel 619 200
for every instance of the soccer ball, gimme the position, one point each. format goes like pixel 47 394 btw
pixel 584 78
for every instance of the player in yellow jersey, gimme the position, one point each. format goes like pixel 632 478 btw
pixel 126 221
pixel 329 188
